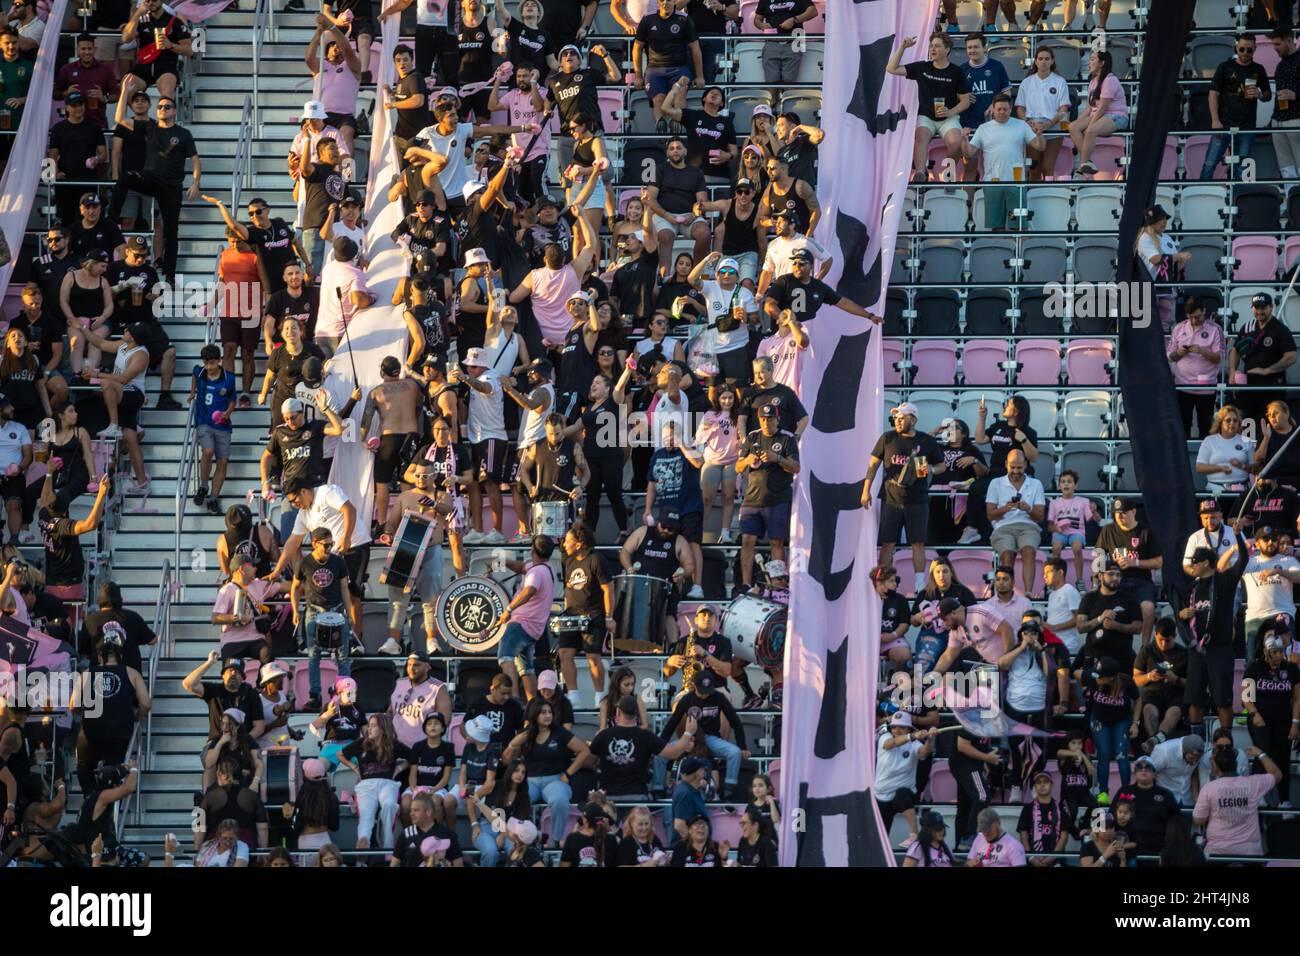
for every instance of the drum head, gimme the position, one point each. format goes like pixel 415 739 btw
pixel 468 606
pixel 329 619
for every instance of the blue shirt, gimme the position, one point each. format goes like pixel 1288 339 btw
pixel 688 803
pixel 985 82
pixel 677 482
pixel 213 396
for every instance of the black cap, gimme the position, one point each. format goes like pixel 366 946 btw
pixel 427 195
pixel 95 255
pixel 390 366
pixel 948 605
pixel 785 213
pixel 593 813
pixel 548 201
pixel 134 243
pixel 73 98
pixel 1265 531
pixel 1210 506
pixel 768 411
pixel 1108 667
pixel 668 520
pixel 90 199
pixel 1154 215
pixel 745 182
pixel 420 656
pixel 1123 504
pixel 236 663
pixel 1261 299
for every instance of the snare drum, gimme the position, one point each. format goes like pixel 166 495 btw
pixel 639 602
pixel 402 569
pixel 756 629
pixel 552 518
pixel 329 630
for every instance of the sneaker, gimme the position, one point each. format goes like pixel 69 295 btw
pixel 168 404
pixel 473 537
pixel 391 648
pixel 245 400
pixel 724 536
pixel 752 702
pixel 519 537
pixel 969 536
pixel 494 537
pixel 954 28
pixel 695 592
pixel 1015 795
pixel 294 6
pixel 313 703
pixel 137 488
pixel 907 841
pixel 111 432
pixel 214 506
pixel 430 646
pixel 201 495
pixel 1088 169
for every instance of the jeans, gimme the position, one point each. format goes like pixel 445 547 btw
pixel 1219 146
pixel 486 844
pixel 1111 741
pixel 314 652
pixel 558 796
pixel 719 748
pixel 314 246
pixel 377 795
pixel 288 515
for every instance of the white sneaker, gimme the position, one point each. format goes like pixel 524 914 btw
pixel 695 592
pixel 1015 795
pixel 494 537
pixel 391 648
pixel 112 431
pixel 139 487
pixel 473 537
pixel 969 536
pixel 575 699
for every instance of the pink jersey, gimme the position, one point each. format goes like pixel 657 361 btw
pixel 980 632
pixel 1231 804
pixel 1068 514
pixel 552 288
pixel 338 88
pixel 718 438
pixel 1194 368
pixel 533 614
pixel 936 858
pixel 519 106
pixel 411 706
pixel 787 359
pixel 1004 851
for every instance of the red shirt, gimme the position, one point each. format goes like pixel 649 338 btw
pixel 240 280
pixel 84 78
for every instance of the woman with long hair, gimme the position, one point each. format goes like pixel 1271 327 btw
pixel 1114 713
pixel 1012 433
pixel 965 466
pixel 236 744
pixel 1277 427
pixel 329 856
pixel 510 796
pixel 23 381
pixel 940 582
pixel 591 844
pixel 590 158
pixel 699 848
pixel 1180 849
pixel 523 836
pixel 1106 111
pixel 284 369
pixel 761 135
pixel 640 845
pixel 85 296
pixel 1042 101
pixel 757 846
pixel 377 758
pixel 314 815
pixel 719 436
pixel 70 443
pixel 278 858
pixel 676 289
pixel 1226 456
pixel 753 166
pixel 929 848
pixel 1164 263
pixel 507 351
pixel 622 683
pixel 552 755
pixel 224 849
pixel 624 225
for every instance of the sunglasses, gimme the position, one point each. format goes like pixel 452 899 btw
pixel 605 352
pixel 166 106
pixel 421 203
pixel 727 272
pixel 257 212
pixel 744 192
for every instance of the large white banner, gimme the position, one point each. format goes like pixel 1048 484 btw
pixel 833 645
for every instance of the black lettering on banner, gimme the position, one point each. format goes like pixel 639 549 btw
pixel 872 60
pixel 861 827
pixel 832 721
pixel 829 501
pixel 836 407
pixel 862 287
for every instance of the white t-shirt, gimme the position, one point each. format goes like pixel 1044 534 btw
pixel 326 511
pixel 1000 493
pixel 336 311
pixel 1217 450
pixel 777 261
pixel 1268 592
pixel 1222 540
pixel 668 343
pixel 1027 683
pixel 1172 771
pixel 1003 145
pixel 454 175
pixel 13 437
pixel 719 302
pixel 432 13
pixel 355 233
pixel 1064 601
pixel 487 417
pixel 1043 98
pixel 895 767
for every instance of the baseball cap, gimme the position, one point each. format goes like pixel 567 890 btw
pixel 237 663
pixel 1123 504
pixel 292 406
pixel 90 199
pixel 1144 761
pixel 447 93
pixel 948 605
pixel 1261 299
pixel 73 98
pixel 707 609
pixel 95 255
pixel 135 243
pixel 729 263
pixel 476 256
pixel 578 296
pixel 744 183
pixel 906 408
pixel 768 411
pixel 541 366
pixel 548 680
pixel 762 109
pixel 236 562
pixel 692 765
pixel 776 569
pixel 476 357
pixel 548 201
pixel 1108 667
pixel 313 109
pixel 1209 507
pixel 470 189
pixel 1265 531
pixel 784 214
pixel 420 656
pixel 427 196
pixel 313 768
pixel 901 718
pixel 1040 775
pixel 569 46
pixel 525 831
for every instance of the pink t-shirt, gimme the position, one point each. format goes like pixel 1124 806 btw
pixel 1193 368
pixel 1005 851
pixel 533 615
pixel 936 858
pixel 338 88
pixel 1068 514
pixel 1113 90
pixel 787 359
pixel 411 706
pixel 551 291
pixel 1232 806
pixel 335 311
pixel 718 438
pixel 519 107
pixel 225 604
pixel 980 632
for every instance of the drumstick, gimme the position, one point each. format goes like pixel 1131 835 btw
pixel 560 490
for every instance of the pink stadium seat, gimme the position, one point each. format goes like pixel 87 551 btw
pixel 902 561
pixel 817 25
pixel 970 567
pixel 1290 252
pixel 935 363
pixel 1265 55
pixel 1194 151
pixel 456 735
pixel 1256 257
pixel 1106 157
pixel 329 673
pixel 893 356
pixel 1064 163
pixel 1039 361
pixel 610 100
pixel 1169 160
pixel 774 771
pixel 1086 361
pixel 982 361
pixel 726 825
pixel 251 669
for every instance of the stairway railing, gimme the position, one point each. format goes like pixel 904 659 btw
pixel 263 22
pixel 141 747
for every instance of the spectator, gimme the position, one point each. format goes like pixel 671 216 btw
pixel 782 58
pixel 1225 456
pixel 1270 692
pixel 932 639
pixel 1114 715
pixel 1176 762
pixel 1067 520
pixel 929 848
pixel 1283 463
pixel 356 19
pixel 314 814
pixel 1209 615
pixel 1260 356
pixel 96 81
pixel 590 844
pixel 993 846
pixel 343 293
pixel 1043 101
pixel 672 197
pixel 1106 112
pixel 688 796
pixel 1045 824
pixel 942 97
pixel 1164 262
pixel 770 459
pixel 231 693
pixel 672 49
pixel 624 752
pixel 573 88
pixel 161 38
pixel 1238 86
pixel 699 848
pixel 1015 507
pixel 898 749
pixel 1269 578
pixel 732 312
pixel 1105 846
pixel 975 633
pixel 27 25
pixel 986 79
pixel 77 147
pixel 1104 615
pixel 377 758
pixel 1153 806
pixel 1004 141
pixel 710 135
pixel 340 78
pixel 1228 806
pixel 1131 544
pixel 325 186
pixel 15 78
pixel 552 755
pixel 1196 350
pixel 111 698
pixel 239 604
pixel 1286 112
pixel 1214 534
pixel 1160 671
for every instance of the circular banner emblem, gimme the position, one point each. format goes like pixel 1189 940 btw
pixel 467 608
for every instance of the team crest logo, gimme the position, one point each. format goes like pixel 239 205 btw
pixel 467 613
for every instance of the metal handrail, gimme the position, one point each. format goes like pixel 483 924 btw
pixel 141 746
pixel 263 21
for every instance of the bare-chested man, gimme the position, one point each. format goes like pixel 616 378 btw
pixel 397 400
pixel 538 404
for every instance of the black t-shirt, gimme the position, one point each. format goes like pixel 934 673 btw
pixel 76 143
pixel 634 285
pixel 1002 441
pixel 803 299
pixel 703 133
pixel 894 612
pixel 478 762
pixel 898 454
pixel 707 23
pixel 424 238
pixel 507 719
pixel 49 273
pixel 1110 705
pixel 51 329
pixel 760 853
pixel 369 762
pixel 166 152
pixel 960 762
pixel 1286 469
pixel 624 754
pixel 529 47
pixel 19 386
pixel 412 119
pixel 789 409
pixel 776 12
pixel 952 455
pixel 1044 822
pixel 1262 347
pixel 474 44
pixel 563 18
pixel 102 235
pixel 767 483
pixel 300 451
pixel 133 148
pixel 583 584
pixel 580 850
pixel 283 305
pixel 574 93
pixel 324 186
pixel 1273 691
pixel 684 856
pixel 551 757
pixel 1153 808
pixel 430 762
pixel 1138 540
pixel 593 418
pixel 286 367
pixel 219 700
pixel 323 580
pixel 345 723
pixel 933 83
pixel 666 40
pixel 125 311
pixel 715 645
pixel 800 154
pixel 678 188
pixel 275 246
pixel 1090 851
pixel 1150 657
pixel 633 853
pixel 64 563
pixel 1102 641
pixel 1230 83
pixel 166 60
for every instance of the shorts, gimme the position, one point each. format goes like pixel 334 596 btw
pixel 215 440
pixel 491 459
pixel 1210 670
pixel 391 456
pixel 680 230
pixel 915 517
pixel 999 203
pixel 715 476
pixel 940 127
pixel 590 640
pixel 136 206
pixel 245 333
pixel 151 73
pixel 772 522
pixel 902 801
pixel 1014 537
pixel 662 78
pixel 896 642
pixel 748 263
pixel 340 120
pixel 247 649
pixel 735 364
pixel 128 409
pixel 357 559
pixel 595 201
pixel 13 487
pixel 1121 122
pixel 364 26
pixel 517 647
pixel 1142 591
pixel 692 528
pixel 1068 540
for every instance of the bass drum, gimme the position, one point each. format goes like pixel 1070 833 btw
pixel 410 543
pixel 756 629
pixel 639 602
pixel 467 612
pixel 281 769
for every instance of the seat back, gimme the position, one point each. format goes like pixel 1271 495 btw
pixel 982 362
pixel 1086 361
pixel 934 363
pixel 1039 361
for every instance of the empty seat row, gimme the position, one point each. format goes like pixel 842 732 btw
pixel 1083 362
